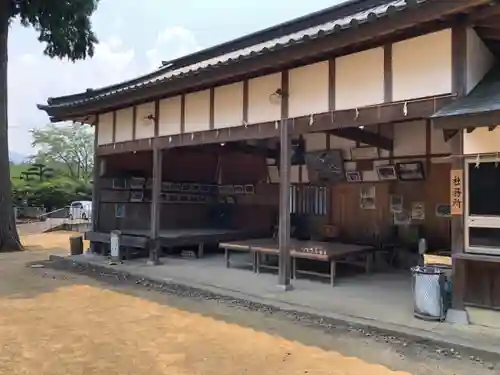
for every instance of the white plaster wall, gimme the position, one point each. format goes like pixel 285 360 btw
pixel 308 89
pixel 479 59
pixel 482 141
pixel 105 129
pixel 359 79
pixel 409 138
pixel 144 127
pixel 421 66
pixel 438 144
pixel 315 142
pixel 342 143
pixel 260 108
pixel 124 124
pixel 170 116
pixel 197 111
pixel 228 105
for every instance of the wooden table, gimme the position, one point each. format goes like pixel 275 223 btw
pixel 330 252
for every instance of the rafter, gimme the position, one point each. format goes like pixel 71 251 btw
pixel 364 136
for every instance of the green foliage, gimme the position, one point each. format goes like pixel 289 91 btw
pixel 52 194
pixel 69 146
pixel 63 25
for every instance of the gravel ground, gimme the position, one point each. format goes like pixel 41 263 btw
pixel 389 350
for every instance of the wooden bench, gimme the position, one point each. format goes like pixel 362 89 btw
pixel 333 253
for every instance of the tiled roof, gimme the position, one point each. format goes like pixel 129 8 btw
pixel 315 32
pixel 485 97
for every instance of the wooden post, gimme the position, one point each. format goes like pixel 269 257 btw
pixel 284 206
pixel 459 86
pixel 154 245
pixel 457 226
pixel 96 177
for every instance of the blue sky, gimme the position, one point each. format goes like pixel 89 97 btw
pixel 134 37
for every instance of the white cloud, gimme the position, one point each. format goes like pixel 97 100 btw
pixel 34 77
pixel 171 43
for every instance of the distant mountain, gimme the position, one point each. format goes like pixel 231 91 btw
pixel 16 158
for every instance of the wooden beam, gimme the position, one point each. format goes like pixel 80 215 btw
pixel 489 32
pixel 331 84
pixel 113 135
pixel 448 134
pixel 211 116
pixel 157 118
pixel 484 13
pixel 364 136
pixel 395 112
pixel 134 122
pixel 183 114
pixel 388 73
pixel 245 101
pixel 154 247
pixel 284 204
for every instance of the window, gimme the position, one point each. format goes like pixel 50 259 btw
pixel 308 200
pixel 484 189
pixel 483 207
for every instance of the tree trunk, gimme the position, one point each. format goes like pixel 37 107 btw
pixel 9 239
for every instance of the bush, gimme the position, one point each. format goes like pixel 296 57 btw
pixel 52 194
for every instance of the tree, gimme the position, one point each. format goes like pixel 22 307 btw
pixel 69 146
pixel 65 28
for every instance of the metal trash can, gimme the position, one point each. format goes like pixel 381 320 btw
pixel 429 284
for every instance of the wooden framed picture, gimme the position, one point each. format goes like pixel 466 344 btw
pixel 119 183
pixel 119 210
pixel 249 189
pixel 386 172
pixel 137 182
pixel 239 189
pixel 353 176
pixel 137 196
pixel 176 187
pixel 396 203
pixel 226 189
pixel 410 171
pixel 443 210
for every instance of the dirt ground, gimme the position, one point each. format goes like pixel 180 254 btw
pixel 52 322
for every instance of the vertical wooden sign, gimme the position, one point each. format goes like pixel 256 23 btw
pixel 456 192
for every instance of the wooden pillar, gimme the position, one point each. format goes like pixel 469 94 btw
pixel 154 245
pixel 459 86
pixel 96 177
pixel 284 206
pixel 457 226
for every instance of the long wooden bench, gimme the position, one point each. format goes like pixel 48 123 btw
pixel 333 253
